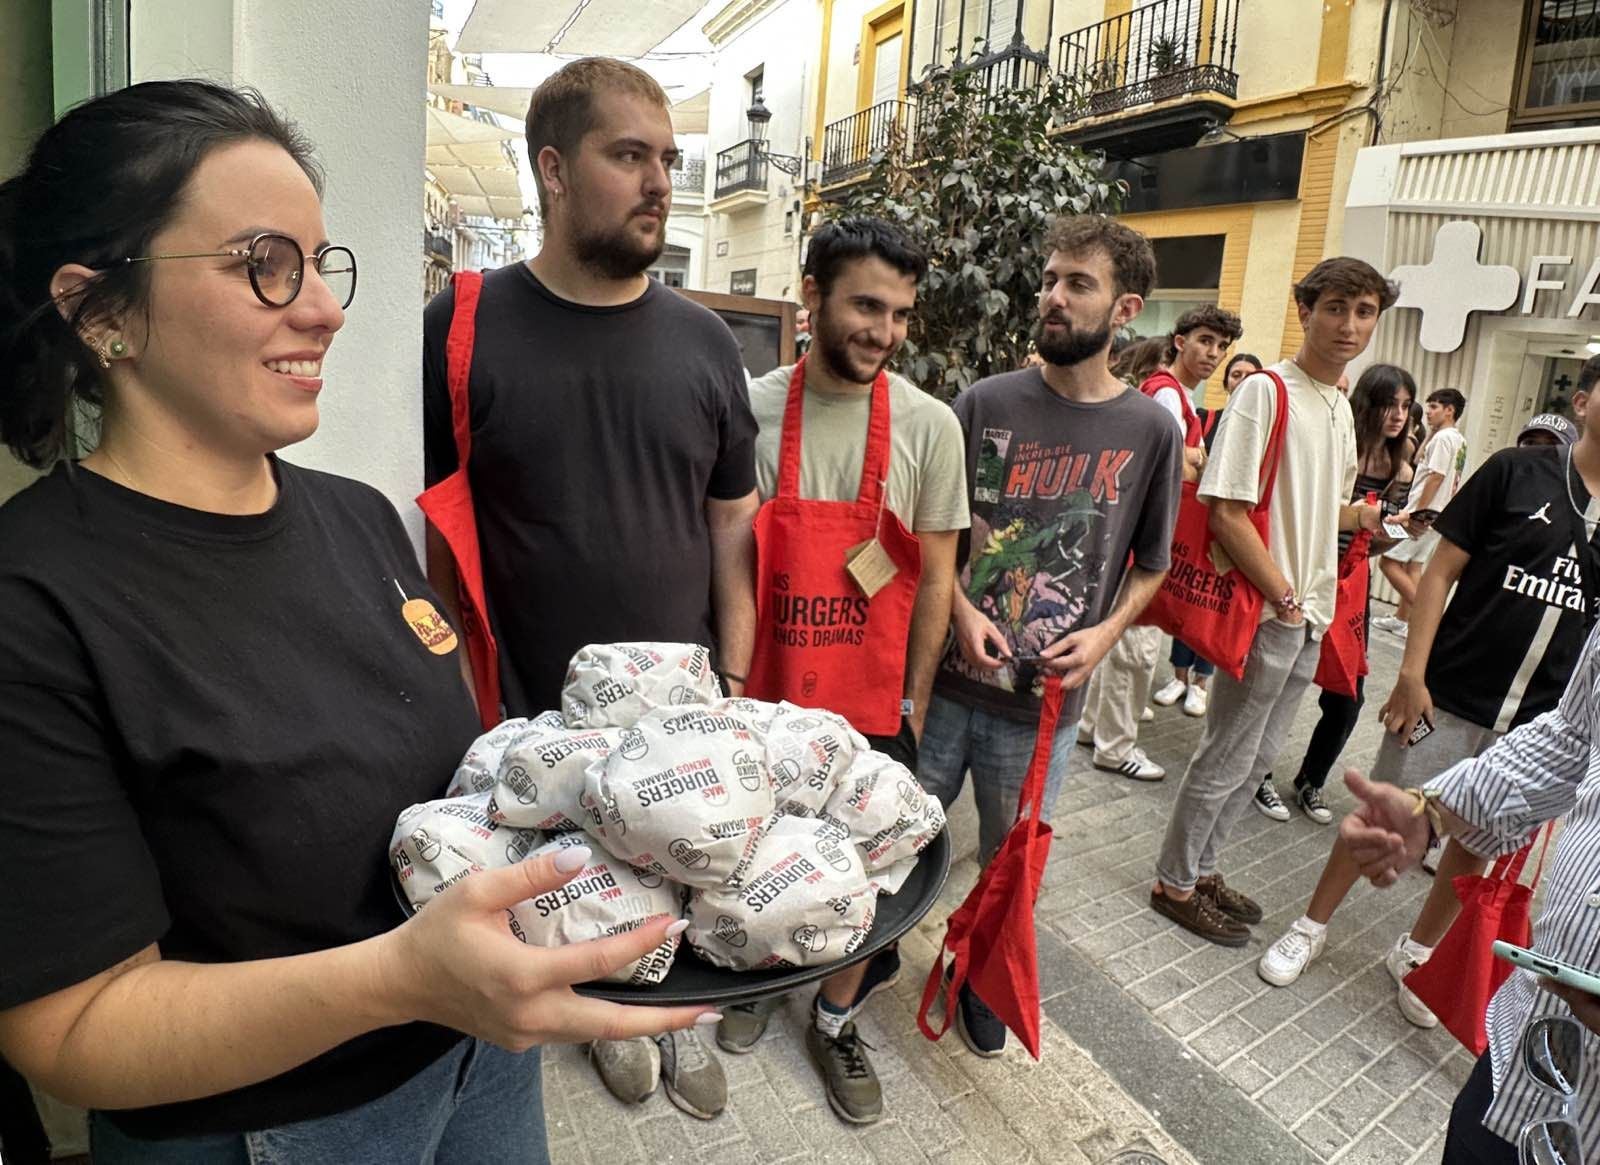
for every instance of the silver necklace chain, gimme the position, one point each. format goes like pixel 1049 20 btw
pixel 1588 523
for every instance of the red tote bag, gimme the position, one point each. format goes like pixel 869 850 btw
pixel 1462 974
pixel 448 504
pixel 1343 660
pixel 990 935
pixel 1216 612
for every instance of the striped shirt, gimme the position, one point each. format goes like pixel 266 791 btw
pixel 1547 768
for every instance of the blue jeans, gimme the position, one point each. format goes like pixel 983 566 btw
pixel 958 737
pixel 1183 656
pixel 474 1104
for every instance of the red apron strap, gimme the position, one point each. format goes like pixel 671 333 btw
pixel 458 358
pixel 875 462
pixel 789 442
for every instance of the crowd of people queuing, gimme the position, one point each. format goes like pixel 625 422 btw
pixel 212 706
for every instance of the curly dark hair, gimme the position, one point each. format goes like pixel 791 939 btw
pixel 1133 263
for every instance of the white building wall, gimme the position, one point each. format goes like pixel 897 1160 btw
pixel 782 39
pixel 363 109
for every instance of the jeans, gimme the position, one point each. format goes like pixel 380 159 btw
pixel 958 737
pixel 476 1103
pixel 1467 1142
pixel 1183 656
pixel 1245 725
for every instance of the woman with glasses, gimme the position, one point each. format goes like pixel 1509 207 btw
pixel 222 678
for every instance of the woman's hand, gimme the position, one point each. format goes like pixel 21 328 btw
pixel 457 964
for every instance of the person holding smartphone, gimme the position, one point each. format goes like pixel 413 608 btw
pixel 1544 769
pixel 1517 545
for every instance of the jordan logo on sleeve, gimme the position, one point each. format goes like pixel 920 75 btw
pixel 1542 514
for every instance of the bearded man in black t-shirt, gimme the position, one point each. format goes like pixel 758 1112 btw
pixel 1518 543
pixel 613 450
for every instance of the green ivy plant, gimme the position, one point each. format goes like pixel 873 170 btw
pixel 975 176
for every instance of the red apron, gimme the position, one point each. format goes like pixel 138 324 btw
pixel 820 641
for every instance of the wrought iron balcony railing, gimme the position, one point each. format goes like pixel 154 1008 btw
pixel 851 145
pixel 440 244
pixel 741 167
pixel 1171 48
pixel 691 176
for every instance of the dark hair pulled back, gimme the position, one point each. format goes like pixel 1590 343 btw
pixel 98 186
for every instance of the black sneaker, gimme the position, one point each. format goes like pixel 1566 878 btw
pixel 981 1029
pixel 1309 798
pixel 1267 801
pixel 883 971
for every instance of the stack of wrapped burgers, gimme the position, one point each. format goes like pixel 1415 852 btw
pixel 772 828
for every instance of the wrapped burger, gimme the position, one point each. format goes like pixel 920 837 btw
pixel 886 812
pixel 606 897
pixel 478 768
pixel 540 782
pixel 808 751
pixel 686 795
pixel 438 843
pixel 804 901
pixel 611 685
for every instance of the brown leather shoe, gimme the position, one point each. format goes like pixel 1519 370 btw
pixel 1232 903
pixel 1199 914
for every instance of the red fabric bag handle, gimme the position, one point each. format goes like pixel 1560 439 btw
pixel 458 359
pixel 1280 426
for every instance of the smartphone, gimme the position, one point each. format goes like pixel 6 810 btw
pixel 1548 967
pixel 1426 517
pixel 1421 732
pixel 1028 660
pixel 1395 530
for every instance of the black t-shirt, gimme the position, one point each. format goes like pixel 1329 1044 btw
pixel 1511 635
pixel 208 725
pixel 598 434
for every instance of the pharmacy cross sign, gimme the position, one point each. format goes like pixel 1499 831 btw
pixel 1453 285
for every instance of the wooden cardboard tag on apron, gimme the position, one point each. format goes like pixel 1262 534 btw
pixel 870 566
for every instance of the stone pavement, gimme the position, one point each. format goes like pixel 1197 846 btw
pixel 1157 1045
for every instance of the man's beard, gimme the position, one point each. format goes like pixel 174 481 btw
pixel 616 254
pixel 834 349
pixel 1075 346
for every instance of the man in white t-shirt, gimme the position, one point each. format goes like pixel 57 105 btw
pixel 1297 570
pixel 1115 702
pixel 1440 467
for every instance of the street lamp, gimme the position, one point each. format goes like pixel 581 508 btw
pixel 759 116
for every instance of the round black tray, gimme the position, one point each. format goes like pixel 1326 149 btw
pixel 692 980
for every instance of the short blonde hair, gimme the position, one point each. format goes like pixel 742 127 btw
pixel 562 109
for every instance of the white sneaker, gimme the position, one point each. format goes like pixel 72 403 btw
pixel 1196 702
pixel 1387 623
pixel 1085 733
pixel 1138 766
pixel 1401 961
pixel 1169 693
pixel 1290 955
pixel 1147 715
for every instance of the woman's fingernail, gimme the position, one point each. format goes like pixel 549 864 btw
pixel 677 928
pixel 709 1017
pixel 571 860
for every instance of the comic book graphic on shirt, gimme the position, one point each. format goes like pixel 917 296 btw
pixel 1040 538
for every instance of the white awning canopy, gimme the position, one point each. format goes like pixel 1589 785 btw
pixel 616 28
pixel 451 129
pixel 509 100
pixel 692 114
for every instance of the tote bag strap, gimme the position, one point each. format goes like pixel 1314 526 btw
pixel 1274 452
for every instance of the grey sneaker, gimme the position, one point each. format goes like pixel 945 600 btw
pixel 743 1024
pixel 853 1089
pixel 629 1068
pixel 691 1075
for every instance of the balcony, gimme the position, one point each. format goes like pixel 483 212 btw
pixel 438 247
pixel 852 145
pixel 741 177
pixel 690 177
pixel 1176 56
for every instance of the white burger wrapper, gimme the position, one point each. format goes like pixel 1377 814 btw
pixel 438 843
pixel 808 752
pixel 606 897
pixel 889 816
pixel 759 713
pixel 540 781
pixel 478 768
pixel 611 685
pixel 685 794
pixel 805 901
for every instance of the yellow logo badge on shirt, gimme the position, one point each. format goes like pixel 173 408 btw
pixel 424 618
